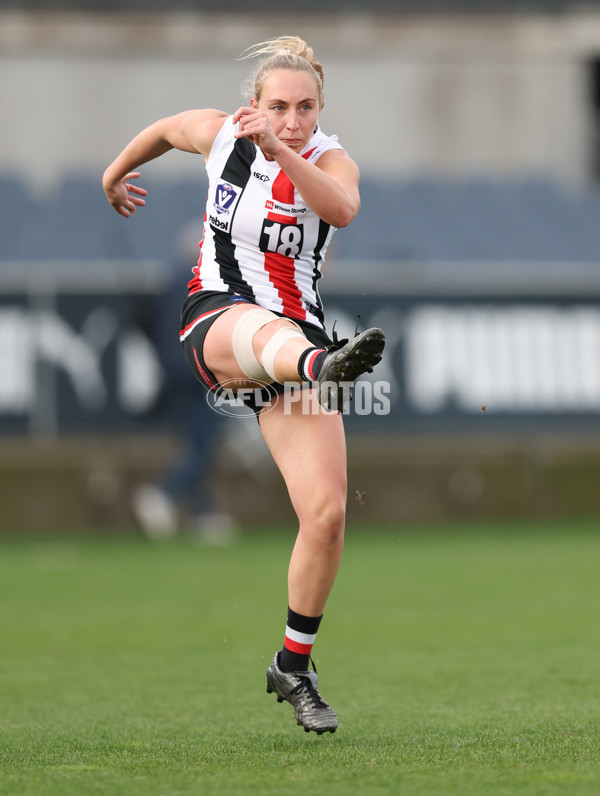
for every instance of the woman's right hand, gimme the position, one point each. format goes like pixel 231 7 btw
pixel 123 195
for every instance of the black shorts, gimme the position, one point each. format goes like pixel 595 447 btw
pixel 200 311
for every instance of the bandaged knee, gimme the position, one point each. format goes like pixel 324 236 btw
pixel 243 334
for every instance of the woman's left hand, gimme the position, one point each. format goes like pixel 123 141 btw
pixel 255 125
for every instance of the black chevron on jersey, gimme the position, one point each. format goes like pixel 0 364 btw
pixel 237 170
pixel 321 240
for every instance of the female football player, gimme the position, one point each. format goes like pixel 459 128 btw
pixel 278 189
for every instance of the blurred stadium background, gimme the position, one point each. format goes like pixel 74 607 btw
pixel 476 127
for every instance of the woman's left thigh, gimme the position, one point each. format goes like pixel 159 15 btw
pixel 309 447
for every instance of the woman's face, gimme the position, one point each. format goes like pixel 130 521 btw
pixel 292 103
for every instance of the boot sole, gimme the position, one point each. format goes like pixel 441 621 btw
pixel 348 365
pixel 299 723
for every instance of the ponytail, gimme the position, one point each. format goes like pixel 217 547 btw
pixel 284 52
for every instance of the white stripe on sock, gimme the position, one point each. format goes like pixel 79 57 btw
pixel 300 638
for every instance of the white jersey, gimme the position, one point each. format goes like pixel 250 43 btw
pixel 261 241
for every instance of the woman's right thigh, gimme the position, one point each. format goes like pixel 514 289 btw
pixel 208 340
pixel 218 347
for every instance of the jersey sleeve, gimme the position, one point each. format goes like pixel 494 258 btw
pixel 324 144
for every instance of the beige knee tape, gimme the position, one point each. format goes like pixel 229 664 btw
pixel 243 334
pixel 273 347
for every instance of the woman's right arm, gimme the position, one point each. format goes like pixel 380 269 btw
pixel 190 131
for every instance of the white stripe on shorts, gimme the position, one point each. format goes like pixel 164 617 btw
pixel 195 323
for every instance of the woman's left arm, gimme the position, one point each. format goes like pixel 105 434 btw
pixel 329 187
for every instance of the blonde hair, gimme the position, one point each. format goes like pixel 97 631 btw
pixel 284 52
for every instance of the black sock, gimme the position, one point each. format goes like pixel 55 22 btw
pixel 310 363
pixel 300 633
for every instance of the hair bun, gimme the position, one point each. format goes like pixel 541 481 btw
pixel 279 53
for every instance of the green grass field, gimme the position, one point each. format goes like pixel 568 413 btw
pixel 459 660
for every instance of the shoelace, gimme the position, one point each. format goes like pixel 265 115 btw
pixel 336 345
pixel 312 694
